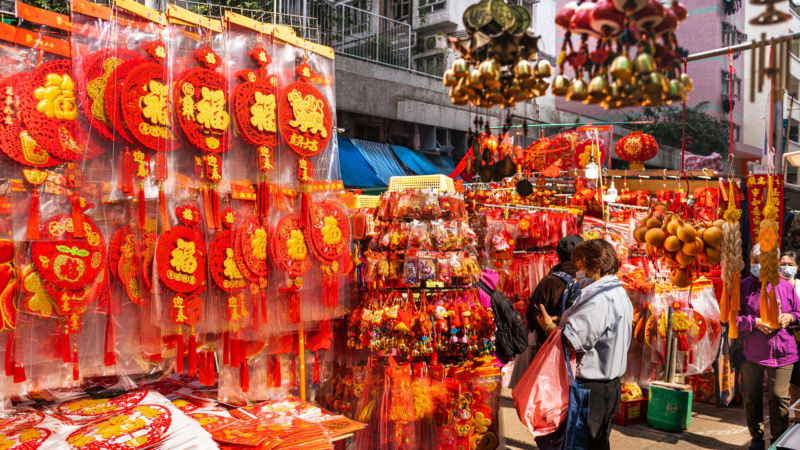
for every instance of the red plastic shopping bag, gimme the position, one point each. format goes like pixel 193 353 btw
pixel 541 396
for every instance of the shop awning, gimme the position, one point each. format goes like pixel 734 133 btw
pixel 417 162
pixel 444 165
pixel 380 158
pixel 356 171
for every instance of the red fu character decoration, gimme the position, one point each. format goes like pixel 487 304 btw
pixel 636 148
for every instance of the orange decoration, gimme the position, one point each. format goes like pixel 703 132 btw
pixel 636 148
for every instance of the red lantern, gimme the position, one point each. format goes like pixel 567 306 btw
pixel 585 150
pixel 636 148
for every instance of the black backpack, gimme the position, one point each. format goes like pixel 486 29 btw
pixel 572 291
pixel 510 338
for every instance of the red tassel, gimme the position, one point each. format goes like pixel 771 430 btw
pixel 9 354
pixel 179 354
pixel 275 371
pixel 255 313
pixel 127 174
pixel 265 205
pixel 235 352
pixel 65 350
pixel 215 208
pixel 155 358
pixel 119 173
pixel 244 377
pixel 210 369
pixel 209 209
pixel 201 358
pixel 305 209
pixel 110 353
pixel 3 224
pixel 77 216
pixel 19 373
pixel 293 370
pixel 226 348
pixel 192 355
pixel 316 368
pixel 142 206
pixel 294 307
pixel 264 318
pixel 33 217
pixel 76 374
pixel 162 208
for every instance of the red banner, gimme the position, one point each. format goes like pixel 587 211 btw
pixel 757 197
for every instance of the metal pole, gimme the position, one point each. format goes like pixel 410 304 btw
pixel 738 48
pixel 635 122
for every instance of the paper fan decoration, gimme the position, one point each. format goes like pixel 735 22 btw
pixel 201 99
pixel 49 110
pixel 304 115
pixel 98 69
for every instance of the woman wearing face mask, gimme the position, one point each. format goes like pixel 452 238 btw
pixel 787 270
pixel 767 349
pixel 598 328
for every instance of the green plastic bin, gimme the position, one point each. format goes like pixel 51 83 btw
pixel 669 410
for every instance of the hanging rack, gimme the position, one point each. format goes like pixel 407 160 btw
pixel 526 207
pixel 622 205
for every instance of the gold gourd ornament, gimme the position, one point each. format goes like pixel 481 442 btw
pixel 732 265
pixel 768 239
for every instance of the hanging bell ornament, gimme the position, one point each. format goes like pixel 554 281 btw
pixel 644 63
pixel 523 69
pixel 495 97
pixel 489 70
pixel 529 84
pixel 578 90
pixel 598 90
pixel 615 95
pixel 543 69
pixel 495 82
pixel 513 89
pixel 449 79
pixel 460 68
pixel 541 87
pixel 676 91
pixel 474 79
pixel 686 80
pixel 561 85
pixel 621 68
pixel 651 84
pixel 462 90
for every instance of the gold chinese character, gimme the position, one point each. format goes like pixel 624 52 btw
pixel 154 104
pixel 183 258
pixel 211 109
pixel 262 113
pixel 57 97
pixel 138 158
pixel 308 113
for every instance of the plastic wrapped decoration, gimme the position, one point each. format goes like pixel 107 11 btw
pixel 769 238
pixel 732 264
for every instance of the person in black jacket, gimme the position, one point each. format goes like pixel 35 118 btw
pixel 548 292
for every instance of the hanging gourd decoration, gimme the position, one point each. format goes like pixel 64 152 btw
pixel 732 265
pixel 307 126
pixel 636 148
pixel 290 253
pixel 15 140
pixel 329 234
pixel 144 101
pixel 69 270
pixel 255 111
pixel 768 239
pixel 98 69
pixel 201 103
pixel 48 108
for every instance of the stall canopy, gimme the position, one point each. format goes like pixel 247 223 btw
pixel 444 164
pixel 380 158
pixel 356 171
pixel 418 163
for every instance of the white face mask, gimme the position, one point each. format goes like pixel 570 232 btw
pixel 582 280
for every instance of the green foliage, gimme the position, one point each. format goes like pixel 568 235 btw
pixel 704 133
pixel 58 6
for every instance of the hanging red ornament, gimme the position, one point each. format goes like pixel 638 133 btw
pixel 181 259
pixel 289 249
pixel 144 103
pixel 329 234
pixel 35 178
pixel 252 248
pixel 255 103
pixel 588 149
pixel 112 97
pixel 304 114
pixel 97 70
pixel 201 98
pixel 636 148
pixel 222 261
pixel 48 107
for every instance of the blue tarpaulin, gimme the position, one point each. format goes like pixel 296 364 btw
pixel 444 164
pixel 417 162
pixel 356 171
pixel 380 158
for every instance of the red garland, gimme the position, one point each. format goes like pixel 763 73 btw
pixel 98 69
pixel 224 269
pixel 48 107
pixel 113 97
pixel 183 247
pixel 65 262
pixel 289 248
pixel 144 103
pixel 201 99
pixel 308 134
pixel 15 141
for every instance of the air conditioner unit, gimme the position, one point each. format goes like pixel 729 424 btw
pixel 413 39
pixel 435 43
pixel 441 42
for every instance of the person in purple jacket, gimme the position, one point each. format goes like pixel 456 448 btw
pixel 766 349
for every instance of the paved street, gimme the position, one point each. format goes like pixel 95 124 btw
pixel 711 428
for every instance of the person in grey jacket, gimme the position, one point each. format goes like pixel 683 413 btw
pixel 598 329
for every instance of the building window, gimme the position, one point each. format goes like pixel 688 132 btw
pixel 429 6
pixel 737 129
pixel 731 36
pixel 432 65
pixel 726 87
pixel 400 9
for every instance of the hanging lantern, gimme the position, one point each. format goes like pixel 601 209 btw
pixel 636 148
